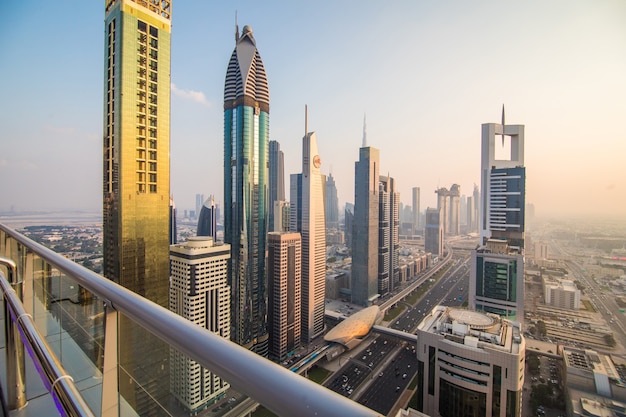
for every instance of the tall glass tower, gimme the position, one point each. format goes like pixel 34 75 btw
pixel 246 172
pixel 136 183
pixel 136 172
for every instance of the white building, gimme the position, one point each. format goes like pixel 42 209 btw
pixel 200 293
pixel 561 293
pixel 307 217
pixel 469 363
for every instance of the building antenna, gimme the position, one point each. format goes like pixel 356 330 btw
pixel 306 120
pixel 236 28
pixel 502 124
pixel 364 131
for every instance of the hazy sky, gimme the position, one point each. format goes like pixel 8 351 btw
pixel 427 74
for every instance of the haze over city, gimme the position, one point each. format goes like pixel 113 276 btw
pixel 426 75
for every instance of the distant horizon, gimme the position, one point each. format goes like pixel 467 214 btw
pixel 427 75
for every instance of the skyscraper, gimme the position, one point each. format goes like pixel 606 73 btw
pixel 416 209
pixel 476 217
pixel 332 203
pixel 276 180
pixel 173 232
pixel 433 232
pixel 136 182
pixel 364 279
pixel 388 235
pixel 207 219
pixel 136 174
pixel 454 210
pixel 284 263
pixel 199 292
pixel 199 203
pixel 442 205
pixel 497 266
pixel 307 217
pixel 246 137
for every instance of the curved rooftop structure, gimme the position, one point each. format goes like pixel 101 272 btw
pixel 246 81
pixel 354 327
pixel 474 319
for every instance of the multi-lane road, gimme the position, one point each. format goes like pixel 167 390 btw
pixel 378 373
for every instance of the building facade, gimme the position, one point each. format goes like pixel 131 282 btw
pixel 207 219
pixel 307 217
pixel 497 265
pixel 331 203
pixel 246 138
pixel 416 210
pixel 284 292
pixel 136 181
pixel 136 174
pixel 388 235
pixel 364 277
pixel 200 293
pixel 469 364
pixel 433 232
pixel 276 180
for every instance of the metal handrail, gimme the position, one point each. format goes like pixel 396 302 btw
pixel 56 380
pixel 278 389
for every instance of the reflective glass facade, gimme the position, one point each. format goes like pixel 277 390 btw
pixel 246 194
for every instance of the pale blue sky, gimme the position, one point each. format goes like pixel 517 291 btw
pixel 426 73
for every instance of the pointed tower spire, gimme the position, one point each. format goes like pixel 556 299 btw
pixel 306 119
pixel 364 131
pixel 236 28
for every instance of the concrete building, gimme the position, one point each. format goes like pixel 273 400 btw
pixel 388 235
pixel 284 293
pixel 469 364
pixel 416 210
pixel 497 272
pixel 276 180
pixel 454 220
pixel 200 293
pixel 442 205
pixel 561 293
pixel 365 227
pixel 246 199
pixel 331 203
pixel 593 384
pixel 307 217
pixel 433 232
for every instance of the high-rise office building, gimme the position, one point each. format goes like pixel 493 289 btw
pixel 497 266
pixel 207 219
pixel 348 220
pixel 136 181
pixel 307 217
pixel 331 203
pixel 136 175
pixel 246 172
pixel 199 292
pixel 442 205
pixel 284 270
pixel 471 221
pixel 276 180
pixel 454 221
pixel 469 364
pixel 199 203
pixel 416 209
pixel 364 279
pixel 433 232
pixel 476 216
pixel 173 232
pixel 388 235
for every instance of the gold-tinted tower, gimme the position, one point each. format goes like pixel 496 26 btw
pixel 136 172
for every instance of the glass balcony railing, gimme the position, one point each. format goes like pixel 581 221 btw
pixel 100 349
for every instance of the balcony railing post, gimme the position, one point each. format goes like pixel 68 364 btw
pixel 16 371
pixel 110 381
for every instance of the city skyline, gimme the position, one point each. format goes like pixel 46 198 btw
pixel 447 69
